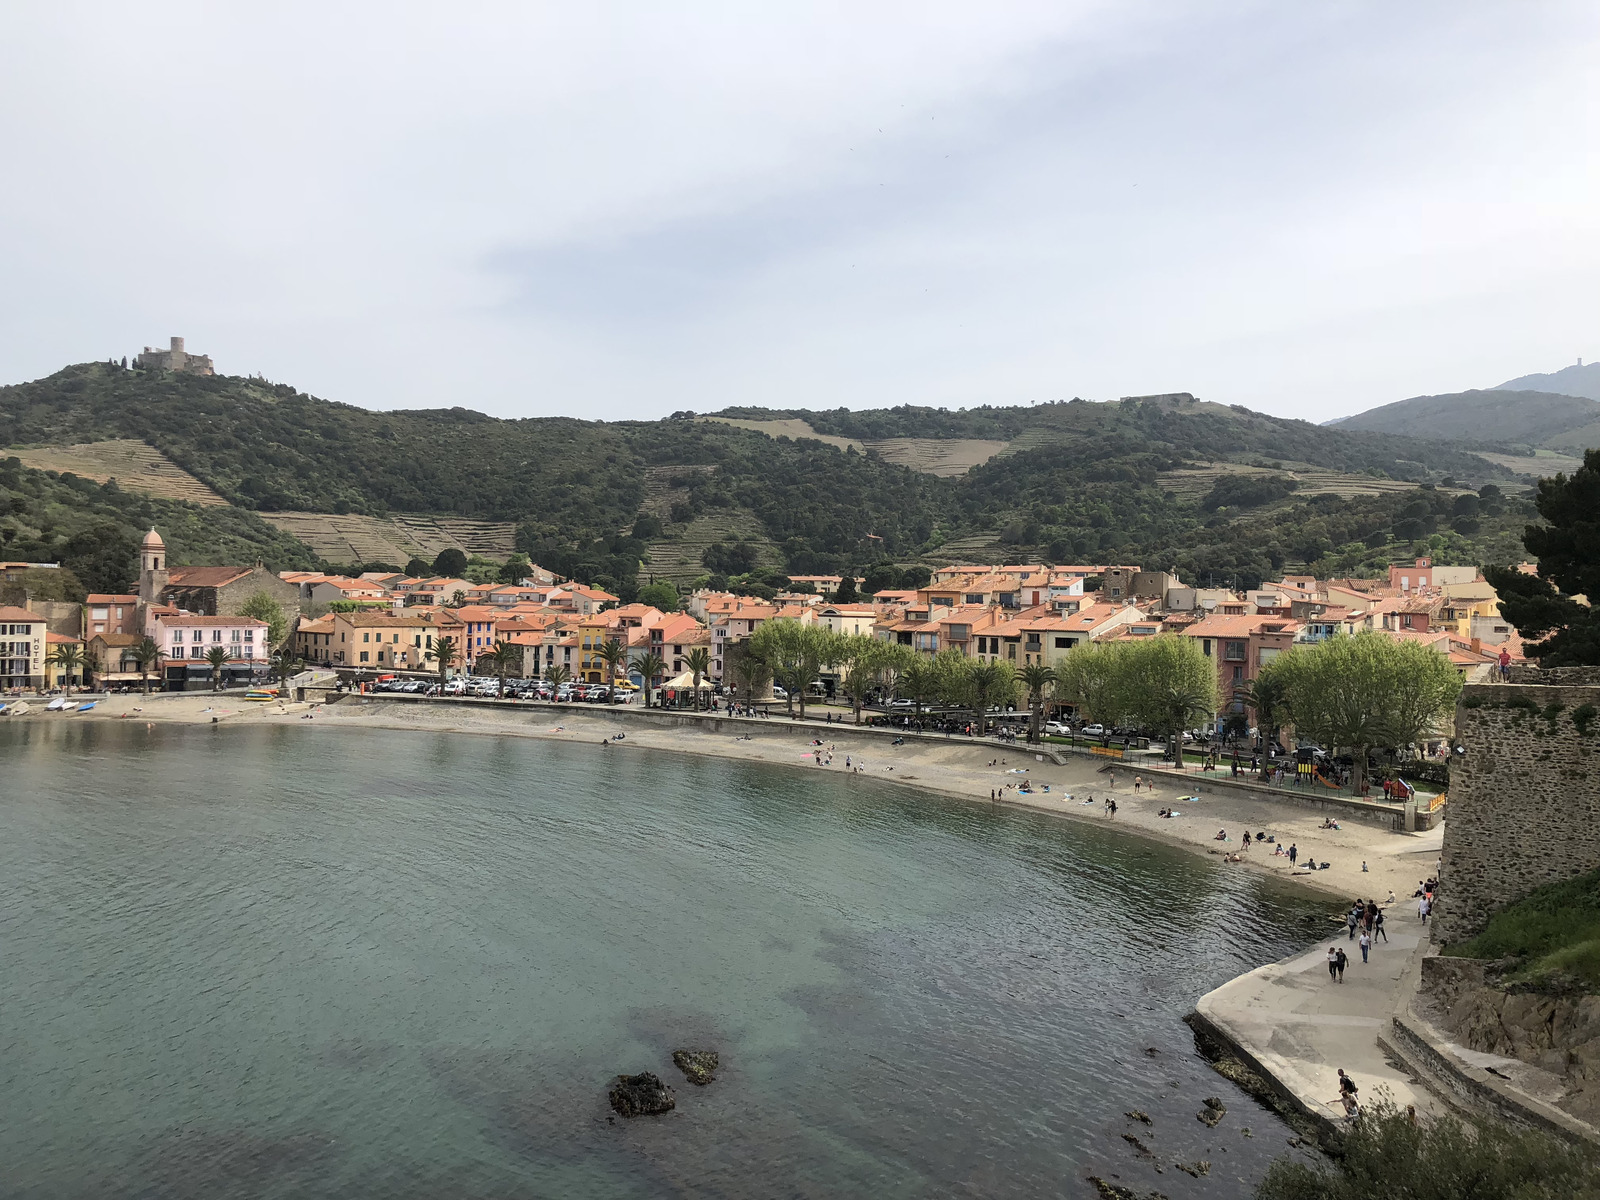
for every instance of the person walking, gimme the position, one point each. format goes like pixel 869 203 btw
pixel 1342 961
pixel 1423 908
pixel 1365 943
pixel 1113 805
pixel 1333 964
pixel 1348 1093
pixel 1294 852
pixel 1377 926
pixel 1350 922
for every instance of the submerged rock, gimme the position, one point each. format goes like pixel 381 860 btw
pixel 1211 1113
pixel 1137 1145
pixel 698 1066
pixel 1138 1115
pixel 1203 1167
pixel 642 1095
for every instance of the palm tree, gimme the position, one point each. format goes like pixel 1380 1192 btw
pixel 217 657
pixel 698 660
pixel 501 657
pixel 648 666
pixel 1035 677
pixel 557 675
pixel 984 680
pixel 614 654
pixel 146 653
pixel 920 680
pixel 69 657
pixel 446 651
pixel 285 662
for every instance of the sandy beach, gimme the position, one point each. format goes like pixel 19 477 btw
pixel 961 768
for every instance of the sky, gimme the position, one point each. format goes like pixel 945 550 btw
pixel 620 210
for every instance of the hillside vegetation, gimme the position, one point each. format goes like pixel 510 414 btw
pixel 1551 937
pixel 1161 481
pixel 1495 419
pixel 94 529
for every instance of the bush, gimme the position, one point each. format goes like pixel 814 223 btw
pixel 1552 934
pixel 1385 1155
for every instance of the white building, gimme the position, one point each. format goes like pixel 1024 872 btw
pixel 22 648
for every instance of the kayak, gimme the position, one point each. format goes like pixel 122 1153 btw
pixel 88 706
pixel 57 704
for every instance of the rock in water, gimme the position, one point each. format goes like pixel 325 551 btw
pixel 641 1095
pixel 1212 1112
pixel 698 1066
pixel 1138 1115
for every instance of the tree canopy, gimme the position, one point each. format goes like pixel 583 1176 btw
pixel 1364 692
pixel 1561 632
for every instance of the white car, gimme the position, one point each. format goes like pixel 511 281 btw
pixel 1095 730
pixel 1057 729
pixel 780 693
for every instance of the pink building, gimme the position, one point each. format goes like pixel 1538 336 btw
pixel 187 638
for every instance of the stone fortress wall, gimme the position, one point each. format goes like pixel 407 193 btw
pixel 1524 796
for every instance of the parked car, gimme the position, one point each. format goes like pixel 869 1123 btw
pixel 1095 730
pixel 779 692
pixel 1057 729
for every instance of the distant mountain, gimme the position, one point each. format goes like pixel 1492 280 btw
pixel 1505 418
pixel 1580 380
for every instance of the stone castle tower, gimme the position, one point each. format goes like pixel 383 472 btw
pixel 152 567
pixel 175 359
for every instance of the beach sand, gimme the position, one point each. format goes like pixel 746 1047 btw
pixel 958 767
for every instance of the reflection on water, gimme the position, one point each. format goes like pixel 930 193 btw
pixel 305 962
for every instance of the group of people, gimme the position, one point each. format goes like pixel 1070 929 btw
pixel 1367 917
pixel 1427 889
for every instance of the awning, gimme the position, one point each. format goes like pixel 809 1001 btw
pixel 685 682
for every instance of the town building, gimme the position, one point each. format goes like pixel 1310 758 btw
pixel 22 648
pixel 112 613
pixel 186 640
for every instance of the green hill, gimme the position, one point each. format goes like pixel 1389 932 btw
pixel 1510 420
pixel 1167 481
pixel 1580 380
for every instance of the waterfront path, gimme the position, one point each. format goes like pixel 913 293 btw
pixel 1301 1027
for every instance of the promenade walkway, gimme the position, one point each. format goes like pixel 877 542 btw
pixel 1301 1027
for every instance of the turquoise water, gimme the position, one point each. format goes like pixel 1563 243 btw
pixel 303 962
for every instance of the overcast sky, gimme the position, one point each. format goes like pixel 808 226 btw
pixel 618 210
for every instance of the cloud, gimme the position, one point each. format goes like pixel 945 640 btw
pixel 622 210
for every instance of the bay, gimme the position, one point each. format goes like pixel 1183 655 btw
pixel 268 961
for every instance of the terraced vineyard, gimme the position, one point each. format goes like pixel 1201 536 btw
pixel 1191 484
pixel 794 428
pixel 946 457
pixel 135 465
pixel 677 558
pixel 659 492
pixel 348 538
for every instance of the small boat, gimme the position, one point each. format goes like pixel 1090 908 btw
pixel 57 704
pixel 20 709
pixel 261 694
pixel 88 706
pixel 3 710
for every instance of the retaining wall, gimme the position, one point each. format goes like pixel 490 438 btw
pixel 1524 797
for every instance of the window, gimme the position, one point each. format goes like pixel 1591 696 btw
pixel 195 652
pixel 1235 651
pixel 366 637
pixel 1115 592
pixel 198 636
pixel 363 656
pixel 1063 643
pixel 1238 674
pixel 249 635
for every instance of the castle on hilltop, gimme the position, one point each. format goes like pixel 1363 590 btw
pixel 175 359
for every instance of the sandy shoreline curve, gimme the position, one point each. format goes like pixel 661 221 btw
pixel 957 767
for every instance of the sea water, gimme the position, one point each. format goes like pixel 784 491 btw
pixel 308 962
